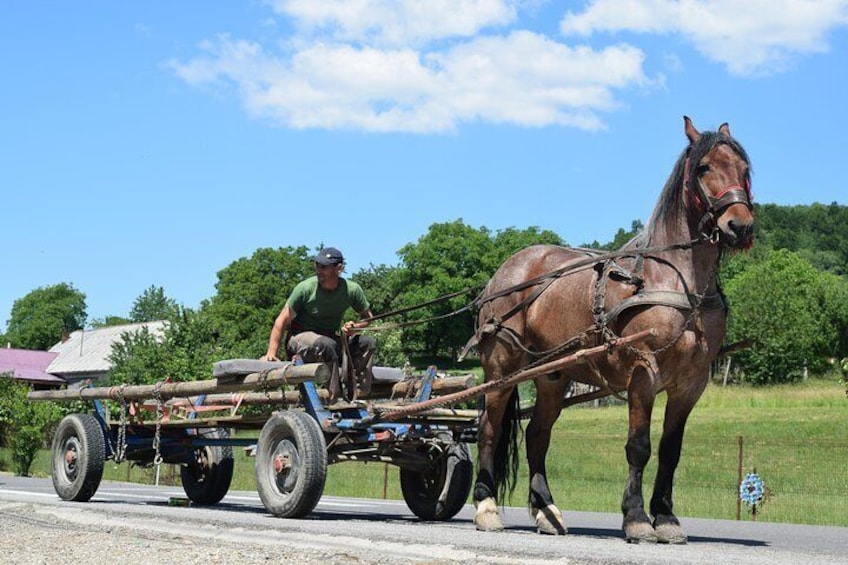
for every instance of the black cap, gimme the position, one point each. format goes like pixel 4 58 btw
pixel 329 256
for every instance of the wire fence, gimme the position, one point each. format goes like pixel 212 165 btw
pixel 806 482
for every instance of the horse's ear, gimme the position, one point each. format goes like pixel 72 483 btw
pixel 724 129
pixel 693 134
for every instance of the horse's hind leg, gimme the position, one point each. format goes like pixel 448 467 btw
pixel 549 394
pixel 677 412
pixel 640 399
pixel 486 516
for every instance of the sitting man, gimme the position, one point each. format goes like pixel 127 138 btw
pixel 312 318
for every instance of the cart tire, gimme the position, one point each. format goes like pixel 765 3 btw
pixel 421 490
pixel 78 454
pixel 291 464
pixel 208 482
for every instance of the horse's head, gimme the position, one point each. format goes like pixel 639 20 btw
pixel 717 182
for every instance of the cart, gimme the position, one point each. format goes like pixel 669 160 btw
pixel 411 425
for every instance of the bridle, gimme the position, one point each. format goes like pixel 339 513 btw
pixel 712 207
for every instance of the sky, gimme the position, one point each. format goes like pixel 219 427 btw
pixel 154 143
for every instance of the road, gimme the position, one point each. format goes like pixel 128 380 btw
pixel 129 521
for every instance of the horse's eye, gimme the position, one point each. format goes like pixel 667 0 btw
pixel 702 169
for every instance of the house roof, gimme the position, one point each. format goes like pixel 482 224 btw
pixel 28 365
pixel 87 351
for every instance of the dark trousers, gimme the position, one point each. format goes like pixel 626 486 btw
pixel 317 348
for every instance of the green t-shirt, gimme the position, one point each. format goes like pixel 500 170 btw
pixel 321 310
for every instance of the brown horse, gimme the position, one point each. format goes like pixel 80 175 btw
pixel 546 301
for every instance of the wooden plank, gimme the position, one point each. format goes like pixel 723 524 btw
pixel 287 374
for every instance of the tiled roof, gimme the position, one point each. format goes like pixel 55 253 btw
pixel 87 351
pixel 28 365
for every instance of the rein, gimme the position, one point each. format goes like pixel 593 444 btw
pixel 549 277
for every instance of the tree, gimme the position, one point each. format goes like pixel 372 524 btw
pixel 451 257
pixel 382 286
pixel 185 352
pixel 153 305
pixel 39 319
pixel 511 240
pixel 783 305
pixel 107 321
pixel 24 425
pixel 621 237
pixel 250 293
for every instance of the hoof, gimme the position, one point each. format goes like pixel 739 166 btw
pixel 669 532
pixel 549 520
pixel 638 532
pixel 487 518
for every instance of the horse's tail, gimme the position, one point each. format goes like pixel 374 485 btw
pixel 506 451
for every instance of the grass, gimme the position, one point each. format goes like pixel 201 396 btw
pixel 794 436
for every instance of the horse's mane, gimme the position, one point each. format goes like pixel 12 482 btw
pixel 670 199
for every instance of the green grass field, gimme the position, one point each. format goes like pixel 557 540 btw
pixel 796 437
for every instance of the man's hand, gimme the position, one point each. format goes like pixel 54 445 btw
pixel 350 327
pixel 269 357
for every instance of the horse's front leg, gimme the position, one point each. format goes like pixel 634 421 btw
pixel 677 411
pixel 640 399
pixel 486 515
pixel 543 510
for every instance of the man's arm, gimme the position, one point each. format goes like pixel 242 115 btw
pixel 364 319
pixel 281 326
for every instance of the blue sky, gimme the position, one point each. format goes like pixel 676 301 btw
pixel 154 143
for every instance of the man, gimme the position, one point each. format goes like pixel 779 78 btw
pixel 312 319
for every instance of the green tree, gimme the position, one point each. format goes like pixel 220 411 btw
pixel 511 240
pixel 184 352
pixel 250 293
pixel 39 319
pixel 153 305
pixel 621 237
pixel 781 304
pixel 382 286
pixel 107 321
pixel 818 232
pixel 24 425
pixel 451 257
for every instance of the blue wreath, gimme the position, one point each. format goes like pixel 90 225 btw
pixel 751 490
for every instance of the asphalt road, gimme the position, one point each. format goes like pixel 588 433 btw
pixel 361 531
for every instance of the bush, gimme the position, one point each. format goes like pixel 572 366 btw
pixel 25 425
pixel 788 309
pixel 389 349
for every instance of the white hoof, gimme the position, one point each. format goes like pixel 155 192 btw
pixel 638 532
pixel 670 533
pixel 487 518
pixel 549 520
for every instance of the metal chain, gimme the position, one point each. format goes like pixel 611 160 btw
pixel 157 394
pixel 121 447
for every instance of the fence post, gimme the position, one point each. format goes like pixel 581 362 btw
pixel 385 480
pixel 739 480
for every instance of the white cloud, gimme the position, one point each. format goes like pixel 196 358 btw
pixel 396 22
pixel 751 37
pixel 522 78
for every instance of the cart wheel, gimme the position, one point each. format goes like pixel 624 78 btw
pixel 207 481
pixel 78 455
pixel 291 464
pixel 426 493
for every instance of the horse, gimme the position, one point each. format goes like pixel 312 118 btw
pixel 546 301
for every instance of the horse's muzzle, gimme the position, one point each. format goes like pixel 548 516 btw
pixel 739 235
